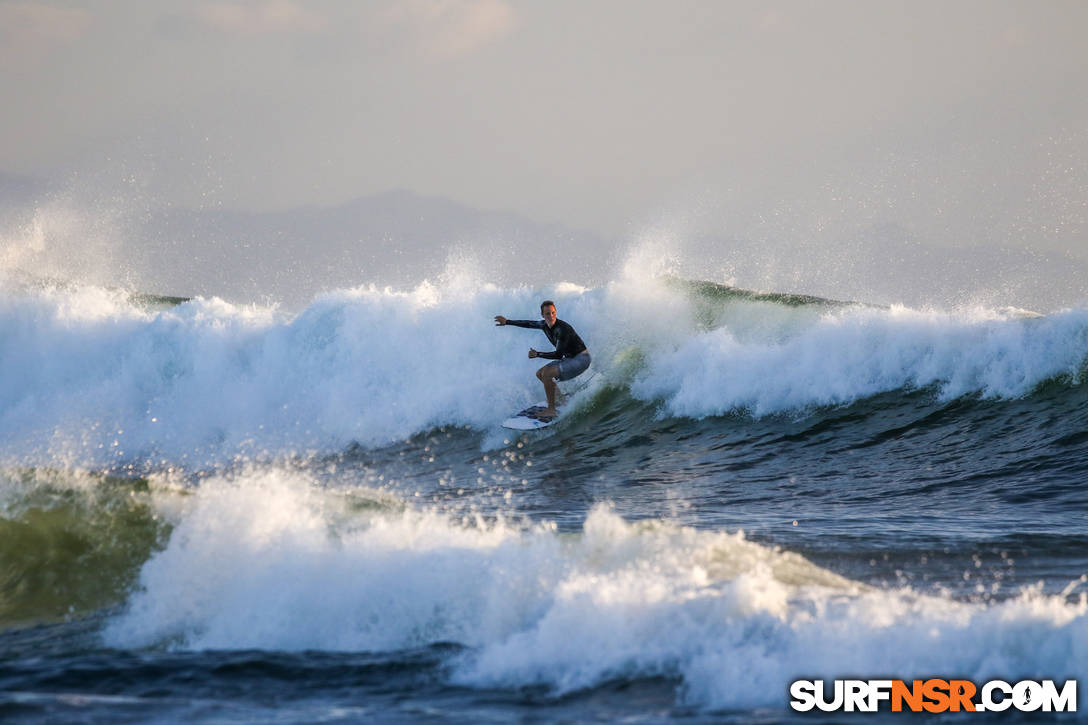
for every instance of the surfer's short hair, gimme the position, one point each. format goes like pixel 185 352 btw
pixel 546 303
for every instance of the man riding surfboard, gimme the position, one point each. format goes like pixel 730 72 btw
pixel 571 358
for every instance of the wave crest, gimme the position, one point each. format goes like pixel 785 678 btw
pixel 97 379
pixel 270 561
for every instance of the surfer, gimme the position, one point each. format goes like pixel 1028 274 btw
pixel 571 356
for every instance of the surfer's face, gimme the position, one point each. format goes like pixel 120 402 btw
pixel 549 315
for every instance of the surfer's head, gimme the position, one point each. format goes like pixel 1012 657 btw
pixel 547 311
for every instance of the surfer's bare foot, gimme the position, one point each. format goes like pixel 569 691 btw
pixel 547 413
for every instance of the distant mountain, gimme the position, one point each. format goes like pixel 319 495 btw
pixel 396 238
pixel 399 238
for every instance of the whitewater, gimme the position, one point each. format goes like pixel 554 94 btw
pixel 215 511
pixel 105 381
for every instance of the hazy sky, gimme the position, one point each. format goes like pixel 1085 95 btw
pixel 965 119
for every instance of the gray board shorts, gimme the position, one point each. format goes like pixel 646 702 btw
pixel 572 367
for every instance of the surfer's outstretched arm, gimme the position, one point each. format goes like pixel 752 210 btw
pixel 531 324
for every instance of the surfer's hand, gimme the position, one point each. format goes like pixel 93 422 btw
pixel 532 353
pixel 500 320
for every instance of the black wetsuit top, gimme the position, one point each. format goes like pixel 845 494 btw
pixel 562 335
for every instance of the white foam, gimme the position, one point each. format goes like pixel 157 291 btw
pixel 851 353
pixel 93 380
pixel 270 561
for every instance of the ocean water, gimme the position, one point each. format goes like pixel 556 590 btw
pixel 223 513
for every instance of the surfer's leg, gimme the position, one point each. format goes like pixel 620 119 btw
pixel 547 375
pixel 569 368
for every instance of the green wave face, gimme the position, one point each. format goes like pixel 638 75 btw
pixel 71 544
pixel 714 292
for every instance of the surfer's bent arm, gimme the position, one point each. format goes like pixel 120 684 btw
pixel 550 355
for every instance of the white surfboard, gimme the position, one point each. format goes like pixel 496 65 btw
pixel 529 419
